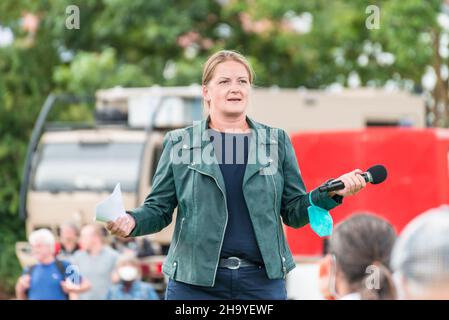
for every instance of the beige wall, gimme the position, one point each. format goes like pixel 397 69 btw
pixel 303 110
pixel 295 110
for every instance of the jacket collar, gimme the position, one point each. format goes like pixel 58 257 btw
pixel 200 128
pixel 262 138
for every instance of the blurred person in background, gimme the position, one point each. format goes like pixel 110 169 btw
pixel 68 241
pixel 357 265
pixel 420 258
pixel 49 279
pixel 139 247
pixel 130 286
pixel 96 261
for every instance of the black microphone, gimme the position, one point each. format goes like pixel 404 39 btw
pixel 376 174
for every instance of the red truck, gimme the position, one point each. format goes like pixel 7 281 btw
pixel 418 174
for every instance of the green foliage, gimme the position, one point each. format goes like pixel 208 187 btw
pixel 397 31
pixel 91 71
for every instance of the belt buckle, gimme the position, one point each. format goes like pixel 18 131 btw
pixel 238 263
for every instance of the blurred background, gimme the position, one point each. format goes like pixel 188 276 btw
pixel 386 61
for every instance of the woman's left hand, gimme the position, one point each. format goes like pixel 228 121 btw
pixel 353 181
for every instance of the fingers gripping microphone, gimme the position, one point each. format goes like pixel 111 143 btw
pixel 375 175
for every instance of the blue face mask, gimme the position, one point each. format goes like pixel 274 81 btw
pixel 320 219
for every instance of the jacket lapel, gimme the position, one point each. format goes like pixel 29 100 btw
pixel 205 161
pixel 201 145
pixel 258 158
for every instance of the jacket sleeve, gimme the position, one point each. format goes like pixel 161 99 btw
pixel 157 210
pixel 295 199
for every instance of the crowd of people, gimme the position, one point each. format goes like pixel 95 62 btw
pixel 82 265
pixel 365 260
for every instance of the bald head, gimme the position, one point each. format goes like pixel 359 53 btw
pixel 93 229
pixel 421 256
pixel 91 236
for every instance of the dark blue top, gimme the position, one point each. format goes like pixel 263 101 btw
pixel 231 151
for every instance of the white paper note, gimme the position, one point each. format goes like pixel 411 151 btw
pixel 111 208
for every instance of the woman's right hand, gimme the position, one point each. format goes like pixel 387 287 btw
pixel 122 226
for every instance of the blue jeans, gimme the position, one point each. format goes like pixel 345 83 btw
pixel 248 283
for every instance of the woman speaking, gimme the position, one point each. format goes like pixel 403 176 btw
pixel 234 182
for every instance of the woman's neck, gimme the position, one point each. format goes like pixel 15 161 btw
pixel 223 124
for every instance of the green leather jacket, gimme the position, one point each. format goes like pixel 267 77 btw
pixel 186 178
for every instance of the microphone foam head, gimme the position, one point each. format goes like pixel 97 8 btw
pixel 378 173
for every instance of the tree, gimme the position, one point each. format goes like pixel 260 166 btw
pixel 416 44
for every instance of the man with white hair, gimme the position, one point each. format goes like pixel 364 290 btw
pixel 420 257
pixel 49 279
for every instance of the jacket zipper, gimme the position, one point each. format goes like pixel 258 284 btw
pixel 284 269
pixel 226 223
pixel 177 242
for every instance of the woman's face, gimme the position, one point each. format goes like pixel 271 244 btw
pixel 228 90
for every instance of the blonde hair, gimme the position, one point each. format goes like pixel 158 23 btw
pixel 221 56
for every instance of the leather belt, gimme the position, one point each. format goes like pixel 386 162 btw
pixel 234 263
